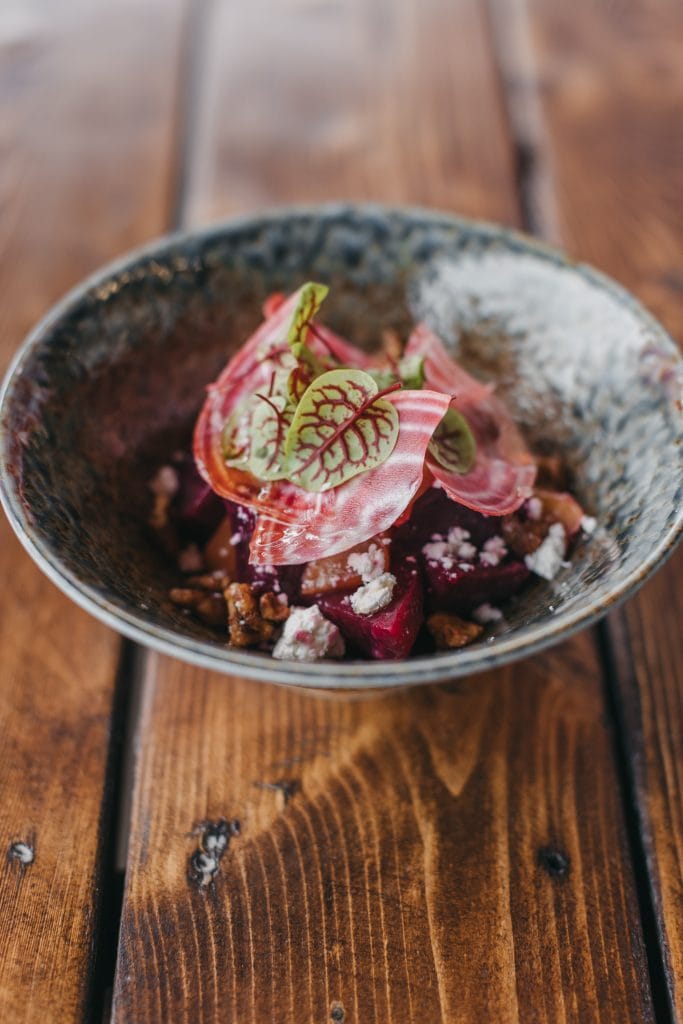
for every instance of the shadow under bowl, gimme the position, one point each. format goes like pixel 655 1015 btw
pixel 109 384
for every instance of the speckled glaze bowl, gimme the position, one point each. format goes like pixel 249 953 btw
pixel 108 385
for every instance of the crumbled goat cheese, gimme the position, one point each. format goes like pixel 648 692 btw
pixel 494 551
pixel 374 596
pixel 308 636
pixel 190 559
pixel 546 560
pixel 447 550
pixel 588 524
pixel 465 566
pixel 235 539
pixel 165 482
pixel 534 508
pixel 435 550
pixel 458 541
pixel 486 613
pixel 368 564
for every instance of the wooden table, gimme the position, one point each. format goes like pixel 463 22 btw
pixel 504 848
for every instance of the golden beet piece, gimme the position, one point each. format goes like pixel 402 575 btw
pixel 325 575
pixel 451 631
pixel 219 553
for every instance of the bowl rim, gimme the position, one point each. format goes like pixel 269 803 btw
pixel 503 649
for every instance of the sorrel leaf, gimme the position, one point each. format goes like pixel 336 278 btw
pixel 270 421
pixel 453 445
pixel 341 427
pixel 310 299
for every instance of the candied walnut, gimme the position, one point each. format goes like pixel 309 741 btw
pixel 212 609
pixel 246 626
pixel 185 597
pixel 273 607
pixel 524 536
pixel 552 473
pixel 450 631
pixel 212 581
pixel 209 607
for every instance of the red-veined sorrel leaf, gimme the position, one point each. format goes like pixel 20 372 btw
pixel 309 301
pixel 316 525
pixel 453 445
pixel 270 420
pixel 342 426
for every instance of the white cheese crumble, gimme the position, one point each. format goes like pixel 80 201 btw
pixel 588 524
pixel 447 549
pixel 374 596
pixel 165 482
pixel 534 508
pixel 486 613
pixel 308 636
pixel 494 551
pixel 546 560
pixel 367 564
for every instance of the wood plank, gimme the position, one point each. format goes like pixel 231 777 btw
pixel 86 110
pixel 453 853
pixel 610 79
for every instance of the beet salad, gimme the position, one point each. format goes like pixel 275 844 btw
pixel 338 503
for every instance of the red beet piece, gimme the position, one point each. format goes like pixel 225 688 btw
pixel 388 634
pixel 461 591
pixel 435 513
pixel 284 579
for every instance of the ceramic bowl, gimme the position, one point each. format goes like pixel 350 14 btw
pixel 108 385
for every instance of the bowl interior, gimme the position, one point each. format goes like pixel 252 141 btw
pixel 109 385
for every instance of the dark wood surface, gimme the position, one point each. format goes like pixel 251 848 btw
pixel 506 848
pixel 85 171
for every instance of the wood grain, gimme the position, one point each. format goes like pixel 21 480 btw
pixel 85 140
pixel 610 82
pixel 453 853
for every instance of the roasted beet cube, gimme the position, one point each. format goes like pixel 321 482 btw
pixel 460 590
pixel 279 579
pixel 387 634
pixel 435 513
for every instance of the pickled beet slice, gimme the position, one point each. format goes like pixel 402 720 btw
pixel 389 634
pixel 462 590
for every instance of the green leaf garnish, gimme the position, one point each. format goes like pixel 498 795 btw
pixel 236 434
pixel 270 421
pixel 311 296
pixel 412 371
pixel 341 427
pixel 452 444
pixel 382 378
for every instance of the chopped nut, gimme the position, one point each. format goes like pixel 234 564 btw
pixel 273 608
pixel 552 472
pixel 524 536
pixel 245 625
pixel 184 597
pixel 210 581
pixel 451 631
pixel 212 609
